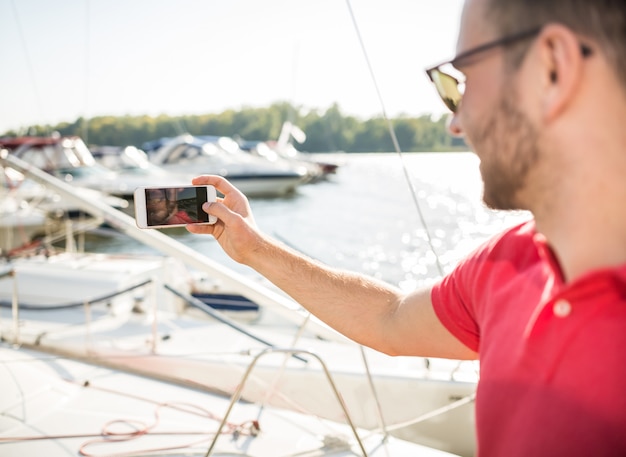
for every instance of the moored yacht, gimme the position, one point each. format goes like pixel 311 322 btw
pixel 222 156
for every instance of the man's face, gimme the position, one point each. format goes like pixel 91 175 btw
pixel 156 206
pixel 507 144
pixel 492 119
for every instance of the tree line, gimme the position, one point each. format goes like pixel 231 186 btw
pixel 326 131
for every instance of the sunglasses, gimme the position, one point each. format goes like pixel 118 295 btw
pixel 159 195
pixel 450 82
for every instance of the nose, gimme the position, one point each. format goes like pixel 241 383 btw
pixel 454 125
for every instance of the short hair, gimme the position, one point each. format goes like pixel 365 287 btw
pixel 602 21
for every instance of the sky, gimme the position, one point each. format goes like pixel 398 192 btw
pixel 65 59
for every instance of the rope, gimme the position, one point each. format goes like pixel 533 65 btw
pixel 434 413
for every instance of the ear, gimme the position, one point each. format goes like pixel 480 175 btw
pixel 561 66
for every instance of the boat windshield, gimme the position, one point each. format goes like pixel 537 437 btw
pixel 189 152
pixel 68 153
pixel 229 145
pixel 134 157
pixel 79 149
pixel 128 158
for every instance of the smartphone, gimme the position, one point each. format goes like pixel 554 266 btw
pixel 172 206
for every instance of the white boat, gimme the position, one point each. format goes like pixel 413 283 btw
pixel 427 401
pixel 262 149
pixel 68 159
pixel 32 214
pixel 20 223
pixel 254 176
pixel 122 311
pixel 133 169
pixel 59 407
pixel 283 149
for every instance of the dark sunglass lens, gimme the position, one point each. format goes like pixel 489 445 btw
pixel 448 88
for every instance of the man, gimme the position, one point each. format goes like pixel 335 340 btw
pixel 542 305
pixel 157 207
pixel 162 208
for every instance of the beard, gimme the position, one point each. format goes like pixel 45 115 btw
pixel 507 145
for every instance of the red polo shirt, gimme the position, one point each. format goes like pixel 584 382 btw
pixel 552 354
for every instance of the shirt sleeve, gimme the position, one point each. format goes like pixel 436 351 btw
pixel 462 299
pixel 453 307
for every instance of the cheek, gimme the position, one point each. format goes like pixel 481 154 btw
pixel 484 86
pixel 481 113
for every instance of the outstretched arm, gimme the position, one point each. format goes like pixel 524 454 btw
pixel 368 311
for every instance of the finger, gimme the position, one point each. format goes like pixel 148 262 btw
pixel 219 210
pixel 209 228
pixel 220 183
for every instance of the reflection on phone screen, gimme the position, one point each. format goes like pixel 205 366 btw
pixel 175 206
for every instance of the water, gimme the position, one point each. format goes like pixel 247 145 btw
pixel 365 219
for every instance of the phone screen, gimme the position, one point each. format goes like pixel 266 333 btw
pixel 175 205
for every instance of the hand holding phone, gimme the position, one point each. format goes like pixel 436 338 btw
pixel 172 206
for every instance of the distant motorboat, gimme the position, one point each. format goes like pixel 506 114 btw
pixel 133 169
pixel 283 149
pixel 263 150
pixel 19 223
pixel 69 159
pixel 222 156
pixel 31 214
pixel 26 227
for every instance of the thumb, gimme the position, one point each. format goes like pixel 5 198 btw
pixel 219 210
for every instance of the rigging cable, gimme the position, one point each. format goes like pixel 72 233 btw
pixel 27 57
pixel 85 123
pixel 396 145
